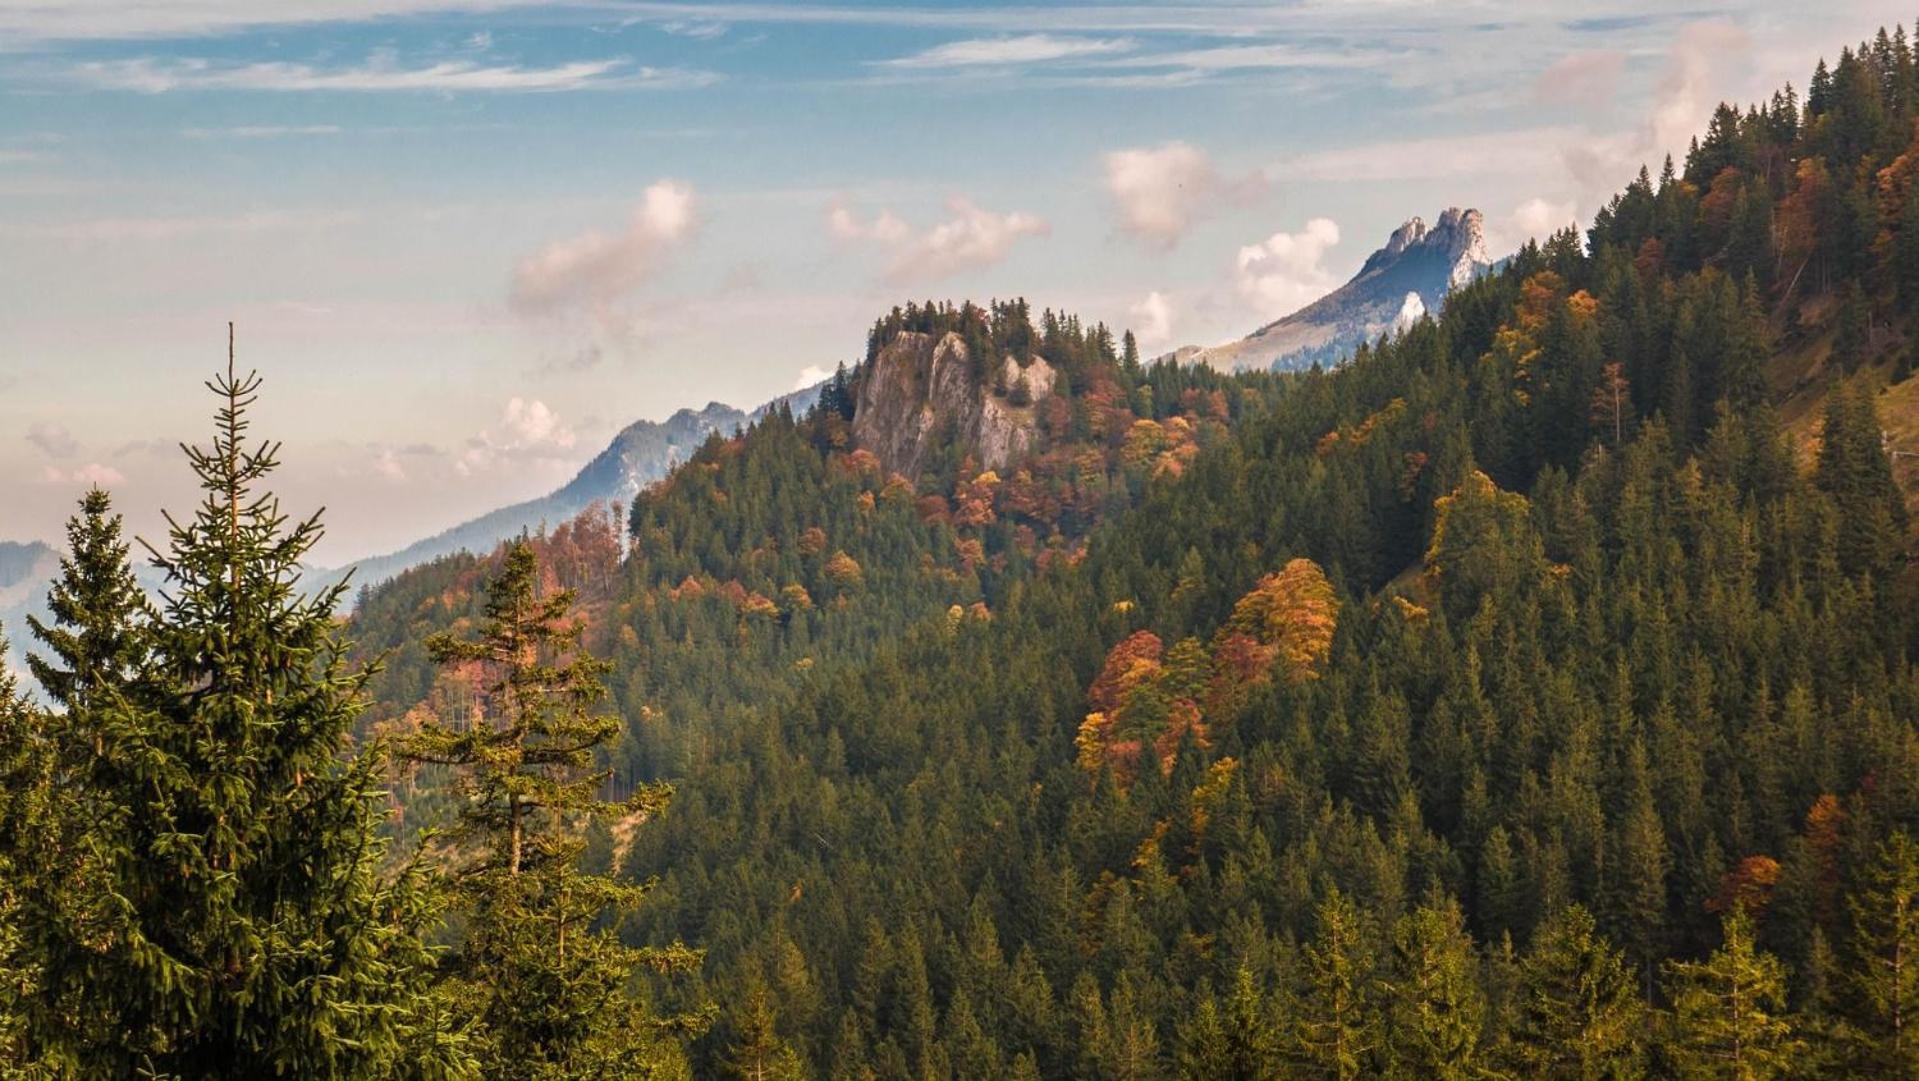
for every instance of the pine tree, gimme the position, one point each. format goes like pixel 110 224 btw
pixel 1885 944
pixel 546 980
pixel 1852 343
pixel 1728 1016
pixel 234 919
pixel 1338 1026
pixel 1854 469
pixel 758 1053
pixel 1579 1014
pixel 1438 1011
pixel 98 612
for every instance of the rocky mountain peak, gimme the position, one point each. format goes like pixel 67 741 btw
pixel 1405 279
pixel 922 388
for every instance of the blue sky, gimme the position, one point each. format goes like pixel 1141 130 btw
pixel 467 241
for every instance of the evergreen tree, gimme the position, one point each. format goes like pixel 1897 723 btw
pixel 1337 1031
pixel 26 793
pixel 98 612
pixel 233 920
pixel 1854 469
pixel 1579 1014
pixel 1728 1011
pixel 758 1053
pixel 1885 946
pixel 547 981
pixel 1851 345
pixel 1438 1011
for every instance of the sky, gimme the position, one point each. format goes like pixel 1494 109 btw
pixel 466 241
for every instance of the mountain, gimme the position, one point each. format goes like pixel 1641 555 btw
pixel 642 453
pixel 1400 282
pixel 25 570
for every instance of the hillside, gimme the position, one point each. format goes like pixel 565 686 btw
pixel 809 541
pixel 1404 280
pixel 1487 650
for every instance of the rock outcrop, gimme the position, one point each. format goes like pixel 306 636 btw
pixel 1407 278
pixel 923 390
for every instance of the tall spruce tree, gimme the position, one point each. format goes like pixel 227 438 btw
pixel 1728 1011
pixel 99 613
pixel 241 924
pixel 1438 1011
pixel 547 981
pixel 1885 973
pixel 1338 1032
pixel 1579 1013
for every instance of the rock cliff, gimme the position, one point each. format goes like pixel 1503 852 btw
pixel 922 390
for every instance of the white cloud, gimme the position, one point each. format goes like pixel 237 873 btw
pixel 595 271
pixel 386 463
pixel 93 475
pixel 528 430
pixel 53 440
pixel 1267 56
pixel 1158 191
pixel 1153 316
pixel 1287 271
pixel 972 238
pixel 1537 219
pixel 381 72
pixel 704 30
pixel 845 224
pixel 261 131
pixel 1024 49
pixel 811 375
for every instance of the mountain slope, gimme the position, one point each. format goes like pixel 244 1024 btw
pixel 25 571
pixel 644 452
pixel 1400 282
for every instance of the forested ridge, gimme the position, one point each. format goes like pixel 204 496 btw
pixel 1599 761
pixel 1531 695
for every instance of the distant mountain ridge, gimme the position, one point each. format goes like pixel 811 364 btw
pixel 26 568
pixel 1399 283
pixel 642 453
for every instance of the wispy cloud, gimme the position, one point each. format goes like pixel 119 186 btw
pixel 93 475
pixel 971 238
pixel 700 29
pixel 114 230
pixel 1003 51
pixel 1158 191
pixel 1435 157
pixel 596 272
pixel 381 72
pixel 261 131
pixel 1265 56
pixel 53 440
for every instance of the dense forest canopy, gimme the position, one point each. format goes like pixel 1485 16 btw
pixel 1531 695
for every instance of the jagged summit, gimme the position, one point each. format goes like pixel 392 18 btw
pixel 1407 278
